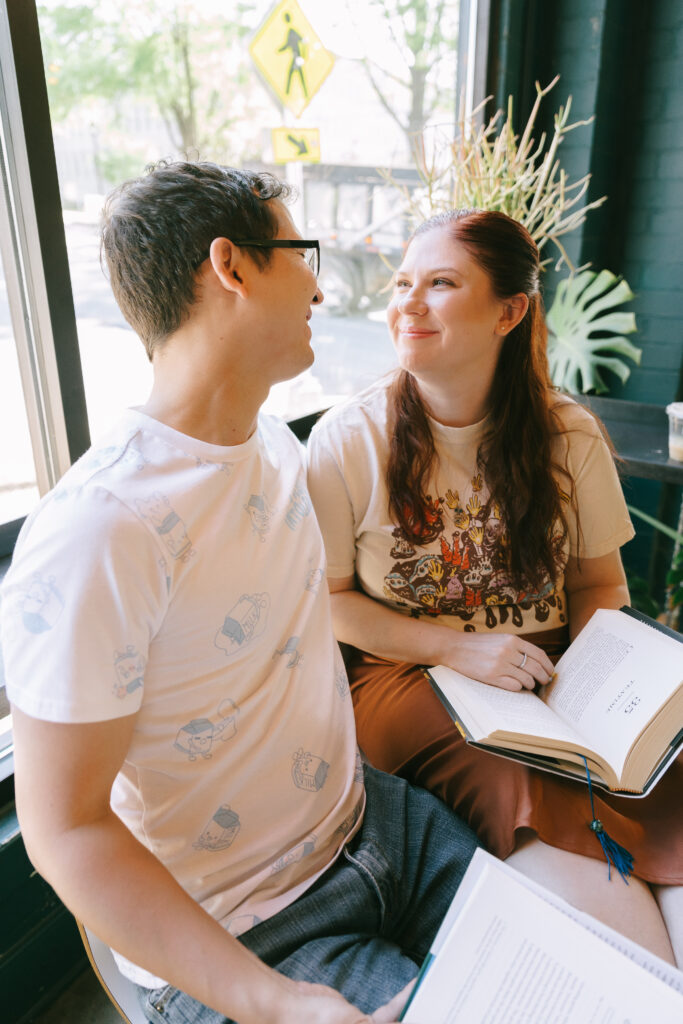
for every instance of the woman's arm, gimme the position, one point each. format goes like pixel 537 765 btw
pixel 495 658
pixel 593 583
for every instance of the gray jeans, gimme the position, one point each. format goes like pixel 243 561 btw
pixel 367 923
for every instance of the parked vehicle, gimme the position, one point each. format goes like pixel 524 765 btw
pixel 358 217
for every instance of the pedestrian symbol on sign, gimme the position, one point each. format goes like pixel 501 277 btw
pixel 293 42
pixel 290 56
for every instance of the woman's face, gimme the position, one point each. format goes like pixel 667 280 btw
pixel 445 321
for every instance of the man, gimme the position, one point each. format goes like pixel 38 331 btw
pixel 186 765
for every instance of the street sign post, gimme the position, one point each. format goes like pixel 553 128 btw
pixel 290 56
pixel 291 143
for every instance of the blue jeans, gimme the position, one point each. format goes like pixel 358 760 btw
pixel 367 923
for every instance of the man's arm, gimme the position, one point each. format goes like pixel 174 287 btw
pixel 64 774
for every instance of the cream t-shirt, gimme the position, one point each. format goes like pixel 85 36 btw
pixel 459 571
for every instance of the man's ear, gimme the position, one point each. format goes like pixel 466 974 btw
pixel 228 262
pixel 514 310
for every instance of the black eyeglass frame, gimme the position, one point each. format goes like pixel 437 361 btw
pixel 288 243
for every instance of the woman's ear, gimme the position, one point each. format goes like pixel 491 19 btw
pixel 514 310
pixel 228 263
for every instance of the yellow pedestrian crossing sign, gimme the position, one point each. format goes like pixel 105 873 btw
pixel 290 56
pixel 302 144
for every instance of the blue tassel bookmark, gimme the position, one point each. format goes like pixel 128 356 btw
pixel 615 854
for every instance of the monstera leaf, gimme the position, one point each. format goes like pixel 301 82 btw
pixel 585 334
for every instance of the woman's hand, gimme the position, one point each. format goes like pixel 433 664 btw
pixel 500 659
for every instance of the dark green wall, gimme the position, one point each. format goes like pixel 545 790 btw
pixel 621 61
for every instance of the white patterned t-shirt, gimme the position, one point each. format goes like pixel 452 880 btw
pixel 185 582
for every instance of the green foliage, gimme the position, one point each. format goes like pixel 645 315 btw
pixel 641 598
pixel 674 576
pixel 674 581
pixel 184 65
pixel 491 167
pixel 115 165
pixel 424 33
pixel 583 326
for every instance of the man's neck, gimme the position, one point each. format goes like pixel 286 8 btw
pixel 203 401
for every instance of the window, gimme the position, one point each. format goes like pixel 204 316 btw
pixel 44 426
pixel 176 78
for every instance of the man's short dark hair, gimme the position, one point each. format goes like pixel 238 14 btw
pixel 157 230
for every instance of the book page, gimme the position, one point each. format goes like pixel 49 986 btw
pixel 488 708
pixel 512 956
pixel 612 680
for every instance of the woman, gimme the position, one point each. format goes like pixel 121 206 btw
pixel 473 517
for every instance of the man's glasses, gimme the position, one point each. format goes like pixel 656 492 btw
pixel 312 247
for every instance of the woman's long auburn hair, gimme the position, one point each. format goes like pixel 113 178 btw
pixel 515 453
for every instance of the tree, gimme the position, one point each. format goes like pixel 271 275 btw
pixel 424 33
pixel 187 66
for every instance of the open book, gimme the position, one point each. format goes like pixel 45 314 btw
pixel 509 950
pixel 617 700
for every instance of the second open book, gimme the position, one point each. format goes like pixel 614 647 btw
pixel 511 951
pixel 617 700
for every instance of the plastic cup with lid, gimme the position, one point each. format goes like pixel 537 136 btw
pixel 675 414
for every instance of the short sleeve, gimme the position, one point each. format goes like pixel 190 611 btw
pixel 597 516
pixel 83 598
pixel 333 506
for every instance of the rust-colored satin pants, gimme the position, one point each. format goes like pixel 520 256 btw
pixel 404 729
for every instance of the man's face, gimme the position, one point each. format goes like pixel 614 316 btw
pixel 285 291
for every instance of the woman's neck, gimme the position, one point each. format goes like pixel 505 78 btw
pixel 454 406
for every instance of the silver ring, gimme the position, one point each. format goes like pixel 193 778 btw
pixel 523 661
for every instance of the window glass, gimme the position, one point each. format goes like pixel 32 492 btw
pixel 18 487
pixel 329 96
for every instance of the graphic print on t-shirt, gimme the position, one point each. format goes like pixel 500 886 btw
pixel 220 832
pixel 299 504
pixel 295 855
pixel 291 649
pixel 463 565
pixel 245 621
pixel 42 604
pixel 260 514
pixel 167 523
pixel 309 771
pixel 130 671
pixel 196 738
pixel 314 578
